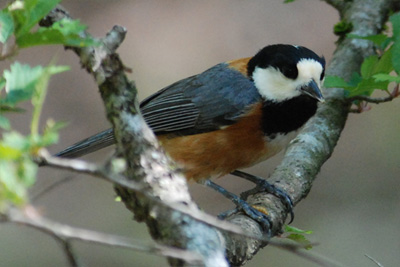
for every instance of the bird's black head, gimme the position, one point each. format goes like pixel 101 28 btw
pixel 285 71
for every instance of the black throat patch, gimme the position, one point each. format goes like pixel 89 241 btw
pixel 287 116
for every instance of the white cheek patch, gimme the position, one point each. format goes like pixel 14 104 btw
pixel 273 85
pixel 309 69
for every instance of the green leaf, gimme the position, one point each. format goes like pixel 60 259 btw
pixel 292 229
pixel 395 20
pixel 367 86
pixel 385 62
pixel 9 153
pixel 16 140
pixel 21 80
pixel 6 26
pixel 396 55
pixel 300 239
pixel 355 79
pixel 15 178
pixel 35 10
pixel 65 32
pixel 368 65
pixel 383 77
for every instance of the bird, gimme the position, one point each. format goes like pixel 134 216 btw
pixel 233 115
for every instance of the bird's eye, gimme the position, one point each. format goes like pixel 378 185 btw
pixel 322 75
pixel 290 71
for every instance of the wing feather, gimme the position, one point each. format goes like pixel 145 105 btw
pixel 201 103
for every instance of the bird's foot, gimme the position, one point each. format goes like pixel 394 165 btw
pixel 263 185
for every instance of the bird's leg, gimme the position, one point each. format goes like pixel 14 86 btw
pixel 265 186
pixel 241 204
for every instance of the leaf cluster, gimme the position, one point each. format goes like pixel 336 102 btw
pixel 19 19
pixel 377 71
pixel 20 83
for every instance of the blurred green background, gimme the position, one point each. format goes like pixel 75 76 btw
pixel 353 208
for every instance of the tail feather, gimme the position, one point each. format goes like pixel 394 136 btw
pixel 89 145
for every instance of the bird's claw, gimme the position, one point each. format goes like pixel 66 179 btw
pixel 265 186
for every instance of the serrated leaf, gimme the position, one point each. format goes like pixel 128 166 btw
pixel 368 66
pixel 16 140
pixel 65 32
pixel 68 26
pixel 300 239
pixel 6 26
pixel 384 64
pixel 384 77
pixel 395 20
pixel 35 10
pixel 292 229
pixel 396 56
pixel 15 178
pixel 21 80
pixel 9 153
pixel 355 79
pixel 367 86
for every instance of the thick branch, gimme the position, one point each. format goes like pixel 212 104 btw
pixel 314 145
pixel 146 162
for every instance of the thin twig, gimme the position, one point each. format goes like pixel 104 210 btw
pixel 377 100
pixel 373 260
pixel 31 217
pixel 68 251
pixel 51 187
pixel 374 100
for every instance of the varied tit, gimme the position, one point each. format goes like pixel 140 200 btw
pixel 233 115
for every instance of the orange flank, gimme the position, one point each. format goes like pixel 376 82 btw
pixel 240 65
pixel 217 153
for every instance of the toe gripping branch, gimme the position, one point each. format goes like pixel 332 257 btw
pixel 241 205
pixel 263 185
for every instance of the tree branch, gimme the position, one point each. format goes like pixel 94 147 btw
pixel 314 145
pixel 29 216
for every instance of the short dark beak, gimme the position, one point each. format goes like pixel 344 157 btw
pixel 313 90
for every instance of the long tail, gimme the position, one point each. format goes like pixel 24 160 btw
pixel 89 145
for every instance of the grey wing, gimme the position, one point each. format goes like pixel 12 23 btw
pixel 201 103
